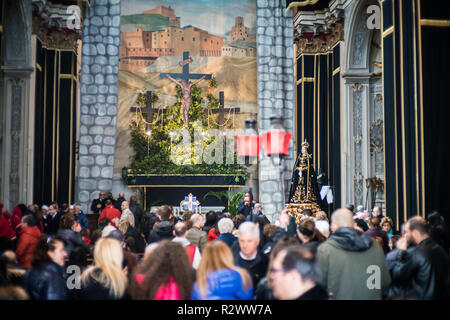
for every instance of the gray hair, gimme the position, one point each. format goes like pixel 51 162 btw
pixel 29 220
pixel 250 228
pixel 225 225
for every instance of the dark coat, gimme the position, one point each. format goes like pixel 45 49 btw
pixel 362 224
pixel 263 291
pixel 95 202
pixel 422 271
pixel 315 293
pixel 378 232
pixel 53 223
pixel 138 242
pixel 93 290
pixel 137 212
pixel 150 219
pixel 257 268
pixel 164 230
pixel 254 217
pixel 228 238
pixel 73 240
pixel 46 281
pixel 118 203
pixel 245 210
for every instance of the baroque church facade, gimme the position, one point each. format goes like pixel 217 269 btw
pixel 365 82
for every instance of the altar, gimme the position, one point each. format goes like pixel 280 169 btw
pixel 160 189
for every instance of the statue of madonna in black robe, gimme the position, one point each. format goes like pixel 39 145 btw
pixel 304 187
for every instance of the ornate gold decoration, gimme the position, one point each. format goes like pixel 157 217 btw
pixel 53 38
pixel 303 197
pixel 323 42
pixel 301 4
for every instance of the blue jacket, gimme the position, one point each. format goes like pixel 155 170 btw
pixel 224 284
pixel 228 238
pixel 46 281
pixel 82 219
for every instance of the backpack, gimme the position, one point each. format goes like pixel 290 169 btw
pixel 190 249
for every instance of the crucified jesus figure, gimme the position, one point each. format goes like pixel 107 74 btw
pixel 186 100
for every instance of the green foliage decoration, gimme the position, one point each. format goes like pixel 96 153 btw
pixel 153 155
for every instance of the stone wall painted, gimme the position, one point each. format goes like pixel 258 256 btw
pixel 276 83
pixel 99 97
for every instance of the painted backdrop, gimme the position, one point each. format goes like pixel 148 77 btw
pixel 220 37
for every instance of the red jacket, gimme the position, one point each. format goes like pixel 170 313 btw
pixel 6 229
pixel 16 217
pixel 28 238
pixel 212 234
pixel 111 213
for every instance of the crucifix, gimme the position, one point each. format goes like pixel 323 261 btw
pixel 148 110
pixel 222 110
pixel 182 79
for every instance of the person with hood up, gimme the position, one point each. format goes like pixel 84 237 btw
pixel 16 217
pixel 350 262
pixel 29 236
pixel 164 229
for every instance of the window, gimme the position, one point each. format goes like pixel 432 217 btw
pixel 193 39
pixel 182 38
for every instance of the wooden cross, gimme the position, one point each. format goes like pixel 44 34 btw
pixel 222 110
pixel 149 111
pixel 182 79
pixel 186 76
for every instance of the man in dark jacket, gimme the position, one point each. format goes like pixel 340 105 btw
pixel 150 218
pixel 376 231
pixel 164 229
pixel 420 271
pixel 137 212
pixel 53 218
pixel 98 204
pixel 246 206
pixel 246 254
pixel 119 200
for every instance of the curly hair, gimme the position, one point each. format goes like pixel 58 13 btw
pixel 387 220
pixel 169 259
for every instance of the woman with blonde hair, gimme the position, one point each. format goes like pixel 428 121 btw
pixel 106 279
pixel 218 278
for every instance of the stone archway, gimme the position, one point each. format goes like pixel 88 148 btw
pixel 363 110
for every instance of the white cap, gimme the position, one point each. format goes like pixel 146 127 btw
pixel 44 207
pixel 322 226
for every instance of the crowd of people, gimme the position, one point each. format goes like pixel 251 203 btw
pixel 354 254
